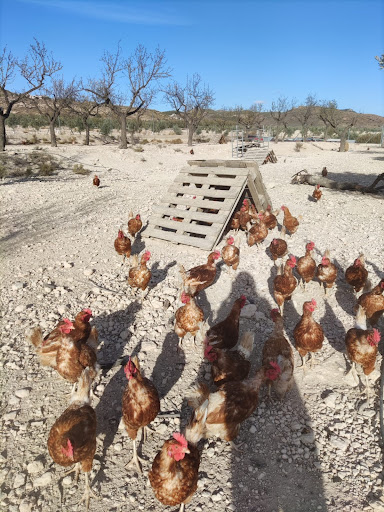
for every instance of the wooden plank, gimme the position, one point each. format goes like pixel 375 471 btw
pixel 199 203
pixel 215 170
pixel 211 180
pixel 185 226
pixel 202 243
pixel 194 191
pixel 187 214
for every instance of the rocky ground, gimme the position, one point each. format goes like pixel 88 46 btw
pixel 318 450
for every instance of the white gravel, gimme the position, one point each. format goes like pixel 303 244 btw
pixel 317 450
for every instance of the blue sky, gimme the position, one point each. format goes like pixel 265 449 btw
pixel 246 51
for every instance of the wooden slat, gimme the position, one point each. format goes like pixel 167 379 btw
pixel 202 243
pixel 187 214
pixel 215 170
pixel 199 203
pixel 211 180
pixel 209 231
pixel 179 189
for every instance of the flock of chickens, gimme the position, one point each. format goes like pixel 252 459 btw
pixel 71 349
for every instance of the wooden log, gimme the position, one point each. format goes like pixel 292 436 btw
pixel 303 177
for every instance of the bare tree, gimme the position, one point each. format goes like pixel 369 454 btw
pixel 305 113
pixel 339 121
pixel 140 73
pixel 57 97
pixel 190 101
pixel 250 118
pixel 279 112
pixel 36 66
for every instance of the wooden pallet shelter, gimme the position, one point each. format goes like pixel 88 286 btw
pixel 202 199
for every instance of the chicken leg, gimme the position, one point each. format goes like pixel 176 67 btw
pixel 87 493
pixel 367 386
pixel 75 470
pixel 135 459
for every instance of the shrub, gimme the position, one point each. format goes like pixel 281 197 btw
pixel 46 169
pixel 177 130
pixel 365 138
pixel 298 146
pixel 3 172
pixel 143 159
pixel 79 169
pixel 138 149
pixel 176 141
pixel 106 126
pixel 145 141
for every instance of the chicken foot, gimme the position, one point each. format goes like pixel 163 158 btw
pixel 146 431
pixel 75 470
pixel 236 446
pixel 88 493
pixel 135 459
pixel 353 372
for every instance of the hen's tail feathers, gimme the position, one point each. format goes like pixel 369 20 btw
pixel 130 215
pixel 361 319
pixel 362 259
pixel 246 344
pixel 276 212
pixel 300 218
pixel 93 340
pixel 327 254
pixel 283 232
pixel 35 336
pixel 198 395
pixel 367 286
pixel 83 388
pixel 134 261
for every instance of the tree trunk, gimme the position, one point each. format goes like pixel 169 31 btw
pixel 2 133
pixel 86 142
pixel 311 179
pixel 52 133
pixel 190 135
pixel 123 131
pixel 343 141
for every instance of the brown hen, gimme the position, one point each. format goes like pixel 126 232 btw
pixel 308 334
pixel 198 278
pixel 306 265
pixel 225 334
pixel 373 303
pixel 134 224
pixel 285 283
pixel 231 254
pixel 123 245
pixel 257 232
pixel 139 275
pixel 188 318
pixel 356 275
pixel 326 272
pixel 290 222
pixel 278 247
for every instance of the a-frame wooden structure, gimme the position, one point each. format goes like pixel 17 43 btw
pixel 202 199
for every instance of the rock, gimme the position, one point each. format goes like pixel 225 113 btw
pixel 17 286
pixel 26 506
pixel 253 429
pixel 44 480
pixel 10 415
pixel 350 381
pixel 162 429
pixel 19 481
pixel 124 334
pixel 19 308
pixel 88 272
pixel 23 393
pixel 308 438
pixel 248 311
pixel 35 467
pixel 330 400
pixel 67 481
pixel 339 443
pixel 68 264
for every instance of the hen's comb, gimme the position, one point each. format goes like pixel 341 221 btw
pixel 67 321
pixel 310 246
pixel 180 439
pixel 275 365
pixel 376 336
pixel 88 311
pixel 147 254
pixel 313 302
pixel 292 258
pixel 274 311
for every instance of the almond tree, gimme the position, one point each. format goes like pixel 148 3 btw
pixel 138 75
pixel 190 101
pixel 57 97
pixel 249 118
pixel 338 120
pixel 279 112
pixel 304 114
pixel 36 66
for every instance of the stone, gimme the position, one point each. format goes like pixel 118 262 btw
pixel 35 467
pixel 248 311
pixel 330 400
pixel 88 272
pixel 19 481
pixel 23 393
pixel 17 286
pixel 339 443
pixel 19 308
pixel 10 415
pixel 68 264
pixel 44 480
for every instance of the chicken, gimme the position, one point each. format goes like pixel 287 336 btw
pixel 123 245
pixel 134 224
pixel 139 275
pixel 291 223
pixel 317 193
pixel 188 318
pixel 324 172
pixel 140 405
pixel 192 152
pixel 96 181
pixel 175 471
pixel 225 334
pixel 326 272
pixel 269 218
pixel 72 438
pixel 244 217
pixel 198 278
pixel 230 365
pixel 235 222
pixel 373 303
pixel 257 232
pixel 356 275
pixel 231 254
pixel 228 407
pixel 277 352
pixel 306 265
pixel 284 284
pixel 361 347
pixel 308 334
pixel 278 247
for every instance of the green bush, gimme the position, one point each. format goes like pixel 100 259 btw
pixel 365 138
pixel 106 126
pixel 177 130
pixel 79 169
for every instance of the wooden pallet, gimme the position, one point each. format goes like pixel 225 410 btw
pixel 200 202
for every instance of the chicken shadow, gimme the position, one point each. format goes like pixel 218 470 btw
pixel 259 474
pixel 138 244
pixel 159 274
pixel 108 410
pixel 333 328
